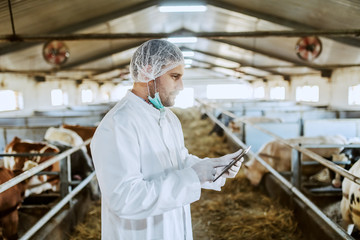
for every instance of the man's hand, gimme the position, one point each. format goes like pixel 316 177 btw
pixel 231 173
pixel 206 169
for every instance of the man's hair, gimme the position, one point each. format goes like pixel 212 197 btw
pixel 154 58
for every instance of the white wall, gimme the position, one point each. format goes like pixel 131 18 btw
pixel 44 88
pixel 277 81
pixel 325 91
pixel 24 84
pixel 36 95
pixel 105 90
pixel 341 80
pixel 93 86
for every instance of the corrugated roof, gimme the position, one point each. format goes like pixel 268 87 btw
pixel 275 27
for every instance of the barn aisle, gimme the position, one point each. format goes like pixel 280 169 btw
pixel 239 211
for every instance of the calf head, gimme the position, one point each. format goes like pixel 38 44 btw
pixel 22 163
pixel 254 171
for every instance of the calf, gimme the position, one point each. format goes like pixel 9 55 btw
pixel 10 201
pixel 85 132
pixel 350 202
pixel 81 162
pixel 225 119
pixel 63 136
pixel 17 145
pixel 35 184
pixel 348 154
pixel 278 156
pixel 65 139
pixel 236 125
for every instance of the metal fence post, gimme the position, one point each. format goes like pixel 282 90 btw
pixel 64 183
pixel 295 168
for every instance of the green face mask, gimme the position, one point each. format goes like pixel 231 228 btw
pixel 156 101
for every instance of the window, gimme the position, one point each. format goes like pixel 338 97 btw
pixel 228 91
pixel 185 98
pixel 259 92
pixel 354 95
pixel 58 98
pixel 277 93
pixel 307 93
pixel 86 96
pixel 10 100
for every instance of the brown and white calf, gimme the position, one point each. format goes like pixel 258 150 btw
pixel 278 156
pixel 85 132
pixel 64 139
pixel 36 184
pixel 81 162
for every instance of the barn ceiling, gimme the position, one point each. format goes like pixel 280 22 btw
pixel 241 39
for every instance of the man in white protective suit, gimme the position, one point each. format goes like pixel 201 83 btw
pixel 146 176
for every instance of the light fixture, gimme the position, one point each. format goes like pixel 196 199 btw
pixel 188 53
pixel 183 8
pixel 182 39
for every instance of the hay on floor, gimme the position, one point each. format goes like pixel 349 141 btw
pixel 90 229
pixel 239 211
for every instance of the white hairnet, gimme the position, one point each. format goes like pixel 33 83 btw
pixel 154 58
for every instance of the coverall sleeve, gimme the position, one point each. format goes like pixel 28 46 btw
pixel 190 160
pixel 116 154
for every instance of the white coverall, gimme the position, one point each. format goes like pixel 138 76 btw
pixel 144 172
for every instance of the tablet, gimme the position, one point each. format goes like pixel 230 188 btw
pixel 235 160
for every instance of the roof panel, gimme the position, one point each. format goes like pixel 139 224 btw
pixel 323 14
pixel 264 54
pixel 46 16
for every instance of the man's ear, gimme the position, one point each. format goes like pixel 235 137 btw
pixel 151 83
pixel 146 73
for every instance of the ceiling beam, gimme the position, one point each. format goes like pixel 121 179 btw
pixel 220 66
pixel 119 66
pixel 260 51
pixel 242 63
pixel 84 24
pixel 211 35
pixel 104 54
pixel 271 55
pixel 92 75
pixel 278 20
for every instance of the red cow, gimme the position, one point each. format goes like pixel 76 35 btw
pixel 10 201
pixel 36 184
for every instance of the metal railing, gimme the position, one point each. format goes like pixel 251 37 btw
pixel 66 184
pixel 332 166
pixel 29 173
pixel 339 230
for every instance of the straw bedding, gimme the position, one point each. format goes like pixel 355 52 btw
pixel 239 211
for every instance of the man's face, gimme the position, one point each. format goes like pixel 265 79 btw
pixel 169 85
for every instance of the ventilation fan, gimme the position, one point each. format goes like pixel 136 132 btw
pixel 56 52
pixel 308 48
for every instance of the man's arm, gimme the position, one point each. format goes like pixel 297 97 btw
pixel 116 155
